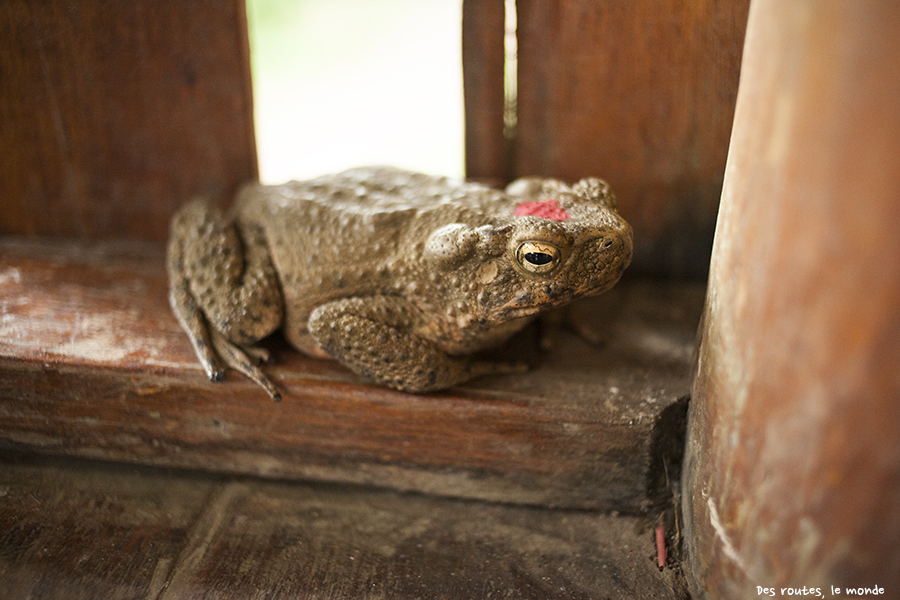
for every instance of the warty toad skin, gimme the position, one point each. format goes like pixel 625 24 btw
pixel 401 276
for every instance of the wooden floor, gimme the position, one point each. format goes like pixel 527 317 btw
pixel 73 529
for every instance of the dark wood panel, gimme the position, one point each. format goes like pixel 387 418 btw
pixel 73 530
pixel 794 451
pixel 641 93
pixel 93 364
pixel 487 151
pixel 112 114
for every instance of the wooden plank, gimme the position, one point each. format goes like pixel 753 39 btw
pixel 76 530
pixel 72 532
pixel 794 453
pixel 487 151
pixel 112 114
pixel 92 363
pixel 642 94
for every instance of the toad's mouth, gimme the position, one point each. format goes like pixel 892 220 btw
pixel 530 303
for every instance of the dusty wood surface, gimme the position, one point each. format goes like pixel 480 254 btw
pixel 794 452
pixel 112 114
pixel 92 363
pixel 641 93
pixel 77 530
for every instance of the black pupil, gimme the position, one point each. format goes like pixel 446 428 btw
pixel 538 258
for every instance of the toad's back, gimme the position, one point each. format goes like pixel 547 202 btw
pixel 359 231
pixel 372 190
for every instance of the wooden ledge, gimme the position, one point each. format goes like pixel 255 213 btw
pixel 92 363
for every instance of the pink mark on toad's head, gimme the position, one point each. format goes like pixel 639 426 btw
pixel 546 209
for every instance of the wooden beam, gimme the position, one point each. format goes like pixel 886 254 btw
pixel 92 363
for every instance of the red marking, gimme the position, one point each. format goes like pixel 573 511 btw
pixel 546 209
pixel 660 547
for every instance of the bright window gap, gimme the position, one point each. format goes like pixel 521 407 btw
pixel 345 83
pixel 510 70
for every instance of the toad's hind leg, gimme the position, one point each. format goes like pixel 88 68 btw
pixel 223 289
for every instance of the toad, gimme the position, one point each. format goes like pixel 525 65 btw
pixel 400 276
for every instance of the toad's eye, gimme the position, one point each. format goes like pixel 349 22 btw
pixel 537 257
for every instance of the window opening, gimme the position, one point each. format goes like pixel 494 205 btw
pixel 510 70
pixel 344 83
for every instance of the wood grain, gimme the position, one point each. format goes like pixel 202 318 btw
pixel 487 151
pixel 641 93
pixel 77 530
pixel 112 114
pixel 92 363
pixel 793 468
pixel 72 532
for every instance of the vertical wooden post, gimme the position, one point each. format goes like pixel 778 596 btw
pixel 640 92
pixel 793 462
pixel 112 114
pixel 483 72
